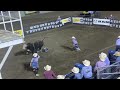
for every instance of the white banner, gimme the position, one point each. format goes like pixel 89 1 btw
pixel 98 21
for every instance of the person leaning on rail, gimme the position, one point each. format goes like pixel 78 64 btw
pixel 87 70
pixel 101 63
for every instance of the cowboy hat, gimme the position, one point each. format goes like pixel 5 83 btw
pixel 103 54
pixel 117 53
pixel 118 36
pixel 118 78
pixel 60 77
pixel 73 37
pixel 35 55
pixel 86 62
pixel 47 67
pixel 75 70
pixel 102 57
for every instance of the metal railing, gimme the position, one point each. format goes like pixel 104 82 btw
pixel 109 72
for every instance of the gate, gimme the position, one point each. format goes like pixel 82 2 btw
pixel 109 72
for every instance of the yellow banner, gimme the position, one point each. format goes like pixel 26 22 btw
pixel 76 20
pixel 65 20
pixel 19 32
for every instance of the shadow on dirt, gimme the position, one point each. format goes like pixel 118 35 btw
pixel 20 53
pixel 27 66
pixel 67 48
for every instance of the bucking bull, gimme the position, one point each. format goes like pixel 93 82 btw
pixel 33 47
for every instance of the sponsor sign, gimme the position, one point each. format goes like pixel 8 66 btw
pixel 76 19
pixel 19 32
pixel 79 20
pixel 66 20
pixel 98 21
pixel 43 26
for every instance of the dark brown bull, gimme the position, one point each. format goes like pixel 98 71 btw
pixel 35 47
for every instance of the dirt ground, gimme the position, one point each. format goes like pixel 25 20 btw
pixel 92 40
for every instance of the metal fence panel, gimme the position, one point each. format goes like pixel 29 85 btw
pixel 109 72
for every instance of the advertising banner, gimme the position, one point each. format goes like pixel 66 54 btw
pixel 19 32
pixel 43 27
pixel 98 21
pixel 79 20
pixel 76 19
pixel 66 20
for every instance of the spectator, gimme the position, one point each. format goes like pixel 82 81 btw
pixel 75 43
pixel 60 77
pixel 91 12
pixel 69 75
pixel 49 74
pixel 118 43
pixel 107 61
pixel 111 56
pixel 117 54
pixel 59 19
pixel 101 63
pixel 111 17
pixel 87 70
pixel 77 73
pixel 34 63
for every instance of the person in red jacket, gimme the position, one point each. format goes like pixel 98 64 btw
pixel 49 74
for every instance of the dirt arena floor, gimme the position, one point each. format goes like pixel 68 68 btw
pixel 92 40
